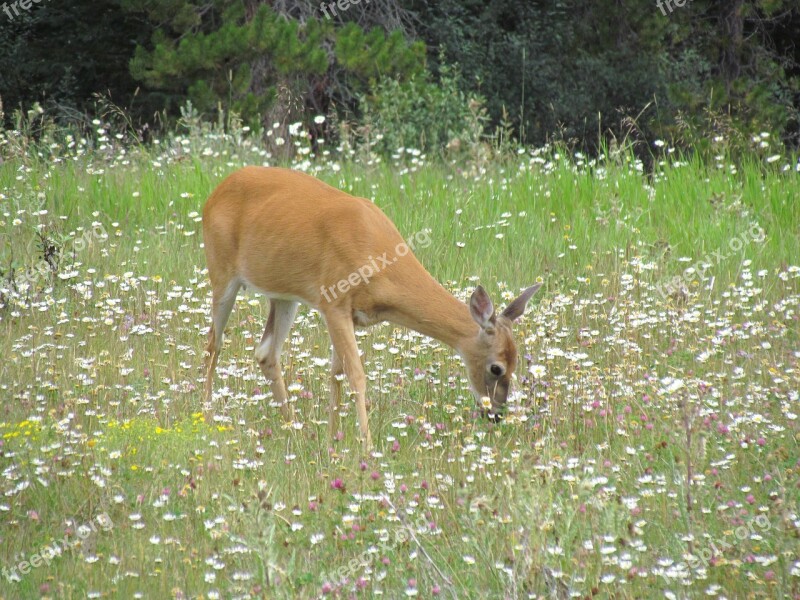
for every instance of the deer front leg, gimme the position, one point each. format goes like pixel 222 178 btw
pixel 223 299
pixel 340 327
pixel 211 356
pixel 268 353
pixel 337 370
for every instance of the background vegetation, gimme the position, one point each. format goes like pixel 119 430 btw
pixel 651 446
pixel 585 73
pixel 642 165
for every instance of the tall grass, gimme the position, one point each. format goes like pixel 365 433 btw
pixel 646 430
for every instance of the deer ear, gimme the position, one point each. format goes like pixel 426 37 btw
pixel 514 310
pixel 481 308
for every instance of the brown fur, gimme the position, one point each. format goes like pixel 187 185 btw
pixel 291 236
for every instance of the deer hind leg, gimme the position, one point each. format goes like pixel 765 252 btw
pixel 222 300
pixel 337 370
pixel 342 332
pixel 268 353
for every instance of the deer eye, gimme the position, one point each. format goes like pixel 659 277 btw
pixel 497 370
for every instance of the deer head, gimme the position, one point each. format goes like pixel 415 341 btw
pixel 491 356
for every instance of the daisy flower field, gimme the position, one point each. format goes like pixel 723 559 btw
pixel 651 446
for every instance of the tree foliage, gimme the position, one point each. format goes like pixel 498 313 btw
pixel 237 57
pixel 569 69
pixel 61 53
pixel 577 69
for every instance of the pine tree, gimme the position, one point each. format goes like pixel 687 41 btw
pixel 240 56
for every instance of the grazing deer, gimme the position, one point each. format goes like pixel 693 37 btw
pixel 297 239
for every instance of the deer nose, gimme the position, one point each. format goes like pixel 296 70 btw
pixel 494 417
pixel 492 408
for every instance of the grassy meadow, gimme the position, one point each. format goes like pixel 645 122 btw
pixel 652 443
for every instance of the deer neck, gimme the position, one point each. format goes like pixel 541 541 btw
pixel 426 307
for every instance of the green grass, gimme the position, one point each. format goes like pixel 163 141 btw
pixel 583 488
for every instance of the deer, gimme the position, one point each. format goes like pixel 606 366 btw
pixel 296 239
